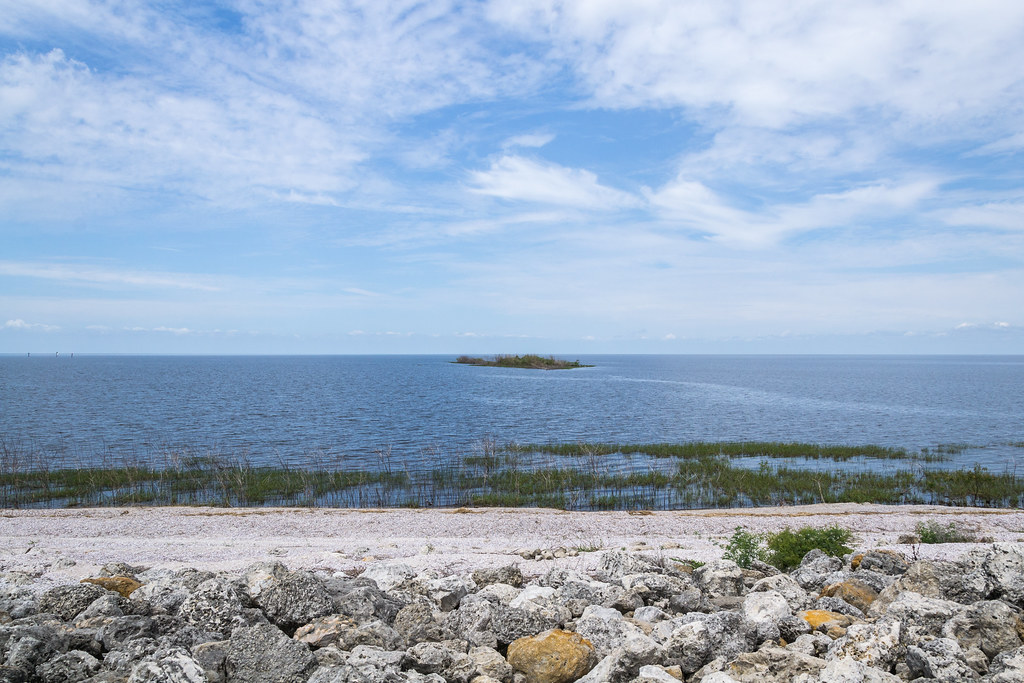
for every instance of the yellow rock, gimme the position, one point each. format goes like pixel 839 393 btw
pixel 820 617
pixel 555 656
pixel 125 585
pixel 855 592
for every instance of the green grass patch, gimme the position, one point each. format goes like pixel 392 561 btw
pixel 699 449
pixel 934 532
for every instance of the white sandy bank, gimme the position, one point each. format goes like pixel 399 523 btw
pixel 65 545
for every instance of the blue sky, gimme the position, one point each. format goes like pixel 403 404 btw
pixel 577 177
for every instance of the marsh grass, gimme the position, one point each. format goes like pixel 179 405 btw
pixel 766 449
pixel 706 477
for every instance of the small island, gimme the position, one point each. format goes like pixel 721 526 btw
pixel 529 361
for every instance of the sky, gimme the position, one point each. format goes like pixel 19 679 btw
pixel 560 176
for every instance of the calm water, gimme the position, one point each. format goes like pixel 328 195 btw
pixel 423 409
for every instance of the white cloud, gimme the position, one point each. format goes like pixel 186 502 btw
pixel 105 276
pixel 529 140
pixel 19 324
pixel 999 215
pixel 697 207
pixel 521 179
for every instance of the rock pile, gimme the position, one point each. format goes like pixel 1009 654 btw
pixel 868 618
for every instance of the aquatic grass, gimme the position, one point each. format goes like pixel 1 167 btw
pixel 698 449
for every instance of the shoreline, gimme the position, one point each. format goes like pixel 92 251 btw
pixel 56 546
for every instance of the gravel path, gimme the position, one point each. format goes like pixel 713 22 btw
pixel 57 546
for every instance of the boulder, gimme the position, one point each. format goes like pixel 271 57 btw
pixel 68 601
pixel 887 562
pixel 877 645
pixel 512 623
pixel 770 664
pixel 292 599
pixel 169 666
pixel 989 625
pixel 213 606
pixel 941 659
pixel 489 662
pixel 263 654
pixel 720 578
pixel 815 569
pixel 388 576
pixel 123 585
pixel 68 667
pixel 510 575
pixel 434 658
pixel 554 656
pixel 853 591
pixel 786 586
pixel 606 629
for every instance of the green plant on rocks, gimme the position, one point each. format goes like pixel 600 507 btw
pixel 744 547
pixel 788 547
pixel 933 532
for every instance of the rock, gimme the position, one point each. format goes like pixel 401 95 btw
pixel 815 569
pixel 213 606
pixel 606 629
pixel 698 638
pixel 920 615
pixel 989 625
pixel 1004 565
pixel 720 578
pixel 211 656
pixel 655 674
pixel 362 600
pixel 1007 667
pixel 773 664
pixel 263 654
pixel 510 575
pixel 169 666
pixel 68 601
pixel 839 606
pixel 388 576
pixel 292 599
pixel 68 667
pixel 554 656
pixel 656 586
pixel 765 606
pixel 786 586
pixel 448 591
pixel 941 659
pixel 165 595
pixel 124 585
pixel 883 561
pixel 877 645
pixel 110 605
pixel 822 620
pixel 418 623
pixel 512 623
pixel 472 621
pixel 853 591
pixel 615 564
pixel 489 662
pixel 849 670
pixel 434 658
pixel 120 630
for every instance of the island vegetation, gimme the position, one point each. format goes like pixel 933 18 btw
pixel 529 361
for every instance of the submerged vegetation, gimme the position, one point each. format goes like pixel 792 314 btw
pixel 529 361
pixel 573 476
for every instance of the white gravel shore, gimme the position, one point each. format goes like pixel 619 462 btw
pixel 58 546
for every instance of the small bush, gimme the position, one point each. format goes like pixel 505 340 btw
pixel 744 547
pixel 788 547
pixel 933 532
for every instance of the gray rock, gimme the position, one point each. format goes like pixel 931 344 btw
pixel 616 563
pixel 510 575
pixel 848 670
pixel 1004 565
pixel 472 621
pixel 606 629
pixel 1007 667
pixel 67 602
pixel 434 658
pixel 173 665
pixel 263 654
pixel 419 623
pixel 17 602
pixel 876 645
pixel 362 600
pixel 164 594
pixel 774 664
pixel 388 576
pixel 786 586
pixel 489 662
pixel 884 562
pixel 120 630
pixel 213 606
pixel 720 578
pixel 815 570
pixel 511 623
pixel 921 616
pixel 211 656
pixel 941 659
pixel 293 599
pixel 989 625
pixel 68 667
pixel 833 604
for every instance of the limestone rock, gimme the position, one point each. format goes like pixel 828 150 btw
pixel 853 591
pixel 293 599
pixel 213 606
pixel 554 656
pixel 720 578
pixel 786 586
pixel 877 645
pixel 989 625
pixel 510 575
pixel 263 654
pixel 67 601
pixel 169 666
pixel 124 585
pixel 68 667
pixel 434 658
pixel 884 561
pixel 941 659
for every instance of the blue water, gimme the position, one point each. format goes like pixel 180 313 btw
pixel 350 410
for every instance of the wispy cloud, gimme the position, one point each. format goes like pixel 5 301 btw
pixel 20 324
pixel 105 276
